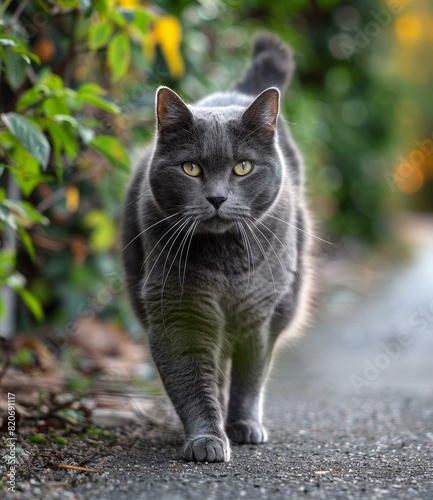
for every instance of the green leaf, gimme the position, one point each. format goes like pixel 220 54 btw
pixel 18 47
pixel 16 69
pixel 101 6
pixel 23 357
pixel 34 215
pixel 30 137
pixel 71 415
pixel 37 438
pixel 8 218
pixel 55 106
pixel 66 119
pixel 117 18
pixel 127 14
pixel 7 140
pixel 9 41
pixel 63 140
pixel 99 34
pixel 100 103
pixel 104 231
pixel 53 82
pixel 112 149
pixel 86 134
pixel 27 213
pixel 119 56
pixel 32 303
pixel 7 263
pixel 8 167
pixel 91 88
pixel 32 96
pixel 60 440
pixel 27 242
pixel 26 54
pixel 142 18
pixel 27 175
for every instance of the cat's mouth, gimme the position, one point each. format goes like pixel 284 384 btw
pixel 218 223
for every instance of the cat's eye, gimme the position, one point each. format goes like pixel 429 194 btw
pixel 243 167
pixel 191 168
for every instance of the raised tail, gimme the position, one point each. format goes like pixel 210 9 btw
pixel 272 66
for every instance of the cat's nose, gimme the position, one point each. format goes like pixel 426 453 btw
pixel 216 201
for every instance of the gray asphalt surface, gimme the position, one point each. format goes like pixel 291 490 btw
pixel 349 412
pixel 320 447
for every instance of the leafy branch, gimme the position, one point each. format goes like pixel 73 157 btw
pixel 43 129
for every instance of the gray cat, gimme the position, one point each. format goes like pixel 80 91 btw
pixel 215 252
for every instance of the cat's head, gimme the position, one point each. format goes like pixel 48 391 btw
pixel 218 165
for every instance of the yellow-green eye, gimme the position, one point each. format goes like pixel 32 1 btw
pixel 191 168
pixel 243 167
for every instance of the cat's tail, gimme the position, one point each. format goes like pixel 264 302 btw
pixel 272 66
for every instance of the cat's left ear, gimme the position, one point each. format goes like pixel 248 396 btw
pixel 262 113
pixel 171 112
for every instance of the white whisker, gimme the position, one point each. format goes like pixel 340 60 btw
pixel 177 233
pixel 247 249
pixel 282 244
pixel 150 227
pixel 171 228
pixel 299 229
pixel 139 196
pixel 265 256
pixel 165 278
pixel 192 229
pixel 157 211
pixel 278 258
pixel 186 258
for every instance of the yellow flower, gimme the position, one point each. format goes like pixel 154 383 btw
pixel 409 28
pixel 72 199
pixel 128 4
pixel 167 33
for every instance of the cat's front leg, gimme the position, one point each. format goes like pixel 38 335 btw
pixel 224 384
pixel 250 364
pixel 186 353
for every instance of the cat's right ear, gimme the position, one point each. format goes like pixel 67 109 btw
pixel 171 112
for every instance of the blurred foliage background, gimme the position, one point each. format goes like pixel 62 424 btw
pixel 77 87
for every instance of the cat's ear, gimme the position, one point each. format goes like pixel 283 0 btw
pixel 262 113
pixel 171 111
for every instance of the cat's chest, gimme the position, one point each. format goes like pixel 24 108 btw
pixel 235 275
pixel 222 259
pixel 234 271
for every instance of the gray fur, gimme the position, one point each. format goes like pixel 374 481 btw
pixel 215 288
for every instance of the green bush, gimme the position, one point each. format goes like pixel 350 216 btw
pixel 77 94
pixel 57 133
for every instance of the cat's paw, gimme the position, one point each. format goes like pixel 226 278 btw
pixel 207 448
pixel 247 431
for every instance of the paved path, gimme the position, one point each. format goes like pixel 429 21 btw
pixel 349 410
pixel 349 413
